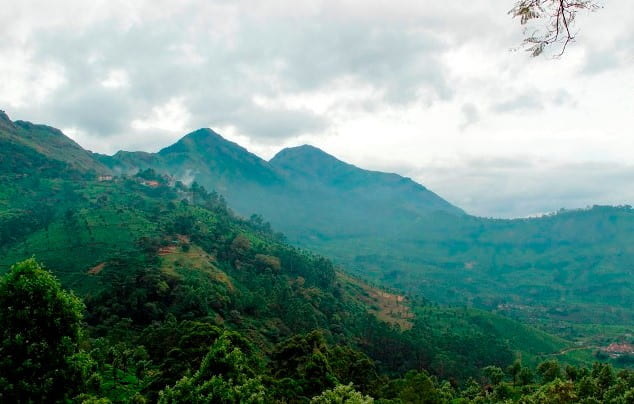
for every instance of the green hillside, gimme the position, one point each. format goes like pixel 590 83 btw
pixel 185 299
pixel 574 266
pixel 562 272
pixel 236 272
pixel 46 141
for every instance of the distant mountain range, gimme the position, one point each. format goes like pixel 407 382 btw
pixel 574 267
pixel 302 191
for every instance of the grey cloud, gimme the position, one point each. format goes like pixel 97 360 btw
pixel 471 115
pixel 609 53
pixel 534 100
pixel 397 61
pixel 267 57
pixel 522 102
pixel 271 125
pixel 517 187
pixel 600 61
pixel 104 112
pixel 563 97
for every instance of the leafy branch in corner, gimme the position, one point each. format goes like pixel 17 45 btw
pixel 561 16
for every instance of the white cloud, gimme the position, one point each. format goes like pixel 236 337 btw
pixel 172 116
pixel 115 78
pixel 23 82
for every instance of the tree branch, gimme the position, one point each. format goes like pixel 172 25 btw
pixel 561 15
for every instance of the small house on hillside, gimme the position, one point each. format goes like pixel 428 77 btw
pixel 103 178
pixel 620 348
pixel 151 183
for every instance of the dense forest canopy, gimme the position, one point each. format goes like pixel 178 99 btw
pixel 172 361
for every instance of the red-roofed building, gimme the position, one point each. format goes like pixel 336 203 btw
pixel 620 348
pixel 151 184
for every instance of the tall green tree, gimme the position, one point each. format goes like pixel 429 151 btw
pixel 342 394
pixel 228 374
pixel 40 329
pixel 302 362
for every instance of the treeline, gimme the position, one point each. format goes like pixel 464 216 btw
pixel 49 355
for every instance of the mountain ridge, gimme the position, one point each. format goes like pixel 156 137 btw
pixel 50 142
pixel 298 186
pixel 317 166
pixel 205 156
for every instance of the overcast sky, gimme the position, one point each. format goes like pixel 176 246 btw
pixel 432 90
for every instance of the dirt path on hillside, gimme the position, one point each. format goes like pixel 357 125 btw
pixel 575 348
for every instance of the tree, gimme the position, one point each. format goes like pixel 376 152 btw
pixel 561 16
pixel 549 370
pixel 494 374
pixel 302 359
pixel 515 369
pixel 228 374
pixel 342 394
pixel 352 366
pixel 556 392
pixel 525 376
pixel 419 388
pixel 40 329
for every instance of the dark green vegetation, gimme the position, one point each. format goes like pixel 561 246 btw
pixel 45 358
pixel 40 328
pixel 186 301
pixel 562 272
pixel 565 272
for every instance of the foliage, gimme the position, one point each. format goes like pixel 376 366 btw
pixel 40 330
pixel 341 394
pixel 226 375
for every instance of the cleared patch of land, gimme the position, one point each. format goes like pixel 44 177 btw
pixel 386 306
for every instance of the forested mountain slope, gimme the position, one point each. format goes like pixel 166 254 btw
pixel 152 257
pixel 25 137
pixel 573 266
pixel 303 191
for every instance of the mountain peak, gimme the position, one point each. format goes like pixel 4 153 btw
pixel 203 136
pixel 203 139
pixel 315 164
pixel 5 121
pixel 305 155
pixel 305 148
pixel 204 133
pixel 204 150
pixel 311 166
